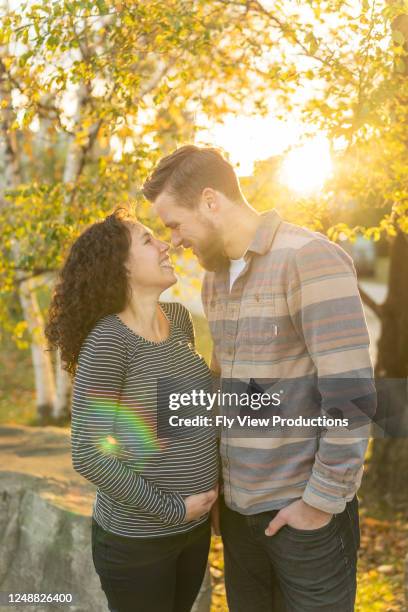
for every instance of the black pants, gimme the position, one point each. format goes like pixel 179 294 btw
pixel 294 570
pixel 162 574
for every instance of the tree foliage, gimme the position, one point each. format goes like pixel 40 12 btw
pixel 92 93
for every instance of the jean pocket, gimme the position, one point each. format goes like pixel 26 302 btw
pixel 310 532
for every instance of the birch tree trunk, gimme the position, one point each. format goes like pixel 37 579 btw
pixel 72 169
pixel 42 365
pixel 61 408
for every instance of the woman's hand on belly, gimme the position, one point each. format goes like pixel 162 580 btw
pixel 200 504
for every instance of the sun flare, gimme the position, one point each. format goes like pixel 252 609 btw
pixel 306 169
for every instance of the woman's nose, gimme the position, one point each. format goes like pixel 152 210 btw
pixel 163 246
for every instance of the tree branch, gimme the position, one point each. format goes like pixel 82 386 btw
pixel 372 304
pixel 284 27
pixel 86 149
pixel 33 273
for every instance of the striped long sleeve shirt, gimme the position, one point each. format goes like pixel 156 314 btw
pixel 142 476
pixel 293 325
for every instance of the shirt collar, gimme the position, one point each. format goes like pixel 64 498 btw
pixel 265 233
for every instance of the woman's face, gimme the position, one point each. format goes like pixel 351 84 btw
pixel 148 261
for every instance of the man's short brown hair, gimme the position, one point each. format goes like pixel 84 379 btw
pixel 188 171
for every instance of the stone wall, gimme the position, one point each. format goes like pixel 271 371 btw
pixel 45 547
pixel 45 523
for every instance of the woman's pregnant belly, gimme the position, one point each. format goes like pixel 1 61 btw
pixel 185 465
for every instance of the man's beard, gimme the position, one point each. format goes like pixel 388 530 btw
pixel 210 252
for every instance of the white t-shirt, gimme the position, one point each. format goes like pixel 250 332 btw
pixel 236 267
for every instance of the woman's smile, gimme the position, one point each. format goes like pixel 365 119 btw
pixel 166 263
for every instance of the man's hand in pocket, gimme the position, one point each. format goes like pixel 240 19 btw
pixel 298 515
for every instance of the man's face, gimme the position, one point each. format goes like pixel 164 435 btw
pixel 192 228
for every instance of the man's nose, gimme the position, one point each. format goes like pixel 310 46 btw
pixel 176 239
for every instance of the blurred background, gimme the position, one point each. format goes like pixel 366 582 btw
pixel 308 100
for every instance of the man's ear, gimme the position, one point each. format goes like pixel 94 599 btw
pixel 209 198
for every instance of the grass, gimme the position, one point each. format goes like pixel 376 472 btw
pixel 384 535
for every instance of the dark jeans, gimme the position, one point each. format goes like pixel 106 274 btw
pixel 162 574
pixel 294 570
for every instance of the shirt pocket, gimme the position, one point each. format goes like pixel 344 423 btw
pixel 258 320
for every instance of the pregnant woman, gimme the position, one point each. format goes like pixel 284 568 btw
pixel 155 488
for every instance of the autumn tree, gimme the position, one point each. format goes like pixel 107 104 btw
pixel 358 65
pixel 90 94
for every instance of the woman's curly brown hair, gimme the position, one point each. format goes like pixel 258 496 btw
pixel 92 284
